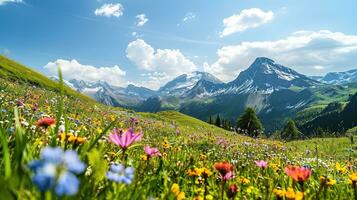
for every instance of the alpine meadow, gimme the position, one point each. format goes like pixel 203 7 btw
pixel 174 100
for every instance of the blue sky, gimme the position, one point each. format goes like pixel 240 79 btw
pixel 148 42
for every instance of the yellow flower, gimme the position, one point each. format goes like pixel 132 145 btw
pixel 275 167
pixel 99 130
pixel 279 192
pixel 181 196
pixel 244 180
pixel 209 197
pixel 143 157
pixel 292 195
pixel 198 198
pixel 166 143
pixel 175 189
pixel 353 177
pixel 206 172
pixel 194 172
pixel 331 182
pixel 340 168
pixel 250 190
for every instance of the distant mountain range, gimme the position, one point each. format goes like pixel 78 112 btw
pixel 275 91
pixel 338 78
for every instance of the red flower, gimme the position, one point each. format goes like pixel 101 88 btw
pixel 299 174
pixel 225 169
pixel 232 191
pixel 45 122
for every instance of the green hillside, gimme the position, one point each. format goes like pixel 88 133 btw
pixel 14 71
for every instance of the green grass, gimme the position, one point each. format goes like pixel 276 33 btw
pixel 328 148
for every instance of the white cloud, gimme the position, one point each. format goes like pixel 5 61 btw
pixel 302 50
pixel 3 2
pixel 72 69
pixel 189 16
pixel 109 10
pixel 247 18
pixel 164 64
pixel 141 54
pixel 141 20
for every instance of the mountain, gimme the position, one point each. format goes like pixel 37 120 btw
pixel 275 91
pixel 340 78
pixel 129 97
pixel 266 75
pixel 185 82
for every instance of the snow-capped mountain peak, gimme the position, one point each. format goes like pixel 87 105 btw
pixel 339 78
pixel 265 74
pixel 185 82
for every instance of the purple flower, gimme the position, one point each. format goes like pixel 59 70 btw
pixel 124 139
pixel 152 152
pixel 262 164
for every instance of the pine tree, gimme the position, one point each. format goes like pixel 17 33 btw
pixel 218 121
pixel 210 120
pixel 290 131
pixel 249 123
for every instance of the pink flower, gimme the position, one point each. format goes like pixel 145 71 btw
pixel 152 152
pixel 262 164
pixel 124 139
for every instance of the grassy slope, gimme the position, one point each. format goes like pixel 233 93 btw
pixel 12 70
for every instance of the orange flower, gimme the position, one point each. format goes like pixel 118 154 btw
pixel 298 174
pixel 225 169
pixel 45 122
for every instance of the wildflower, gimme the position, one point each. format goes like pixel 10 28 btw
pixel 232 191
pixel 175 189
pixel 134 120
pixel 76 139
pixel 181 196
pixel 353 177
pixel 151 152
pixel 124 139
pixel 298 174
pixel 262 164
pixel 120 174
pixel 206 172
pixel 251 190
pixel 55 170
pixel 225 169
pixel 327 181
pixel 194 172
pixel 340 168
pixel 290 194
pixel 244 180
pixel 144 157
pixel 279 192
pixel 45 122
pixel 166 144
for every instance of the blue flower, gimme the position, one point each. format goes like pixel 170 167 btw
pixel 118 173
pixel 56 170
